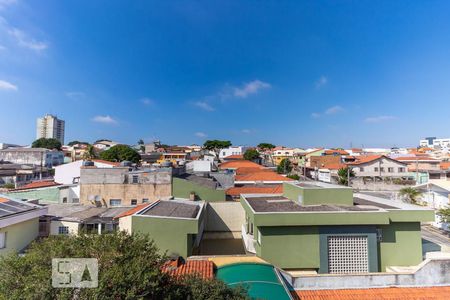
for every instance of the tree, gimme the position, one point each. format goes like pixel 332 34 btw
pixel 410 194
pixel 216 145
pixel 141 145
pixel 120 153
pixel 285 166
pixel 90 153
pixel 130 267
pixel 444 213
pixel 77 142
pixel 344 174
pixel 266 146
pixel 47 143
pixel 294 176
pixel 251 154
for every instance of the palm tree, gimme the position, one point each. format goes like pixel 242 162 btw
pixel 411 194
pixel 344 174
pixel 90 153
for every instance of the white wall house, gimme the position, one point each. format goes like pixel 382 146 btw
pixel 199 166
pixel 436 195
pixel 70 173
pixel 433 142
pixel 233 150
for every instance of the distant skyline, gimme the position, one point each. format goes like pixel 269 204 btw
pixel 294 73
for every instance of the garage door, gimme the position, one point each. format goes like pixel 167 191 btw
pixel 347 254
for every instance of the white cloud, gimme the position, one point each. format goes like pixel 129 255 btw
pixel 379 119
pixel 104 119
pixel 323 80
pixel 6 3
pixel 7 86
pixel 315 115
pixel 252 87
pixel 200 134
pixel 75 95
pixel 334 110
pixel 247 131
pixel 147 101
pixel 204 105
pixel 25 41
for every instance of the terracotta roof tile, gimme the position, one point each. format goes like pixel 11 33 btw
pixel 132 211
pixel 248 170
pixel 336 151
pixel 239 164
pixel 262 176
pixel 272 189
pixel 418 158
pixel 392 293
pixel 38 184
pixel 202 268
pixel 235 156
pixel 445 165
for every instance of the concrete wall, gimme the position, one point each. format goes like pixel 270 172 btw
pixel 182 188
pixel 125 224
pixel 224 217
pixel 124 192
pixel 20 235
pixel 315 196
pixel 73 227
pixel 66 173
pixel 50 194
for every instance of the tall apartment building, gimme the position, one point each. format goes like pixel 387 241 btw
pixel 50 126
pixel 434 142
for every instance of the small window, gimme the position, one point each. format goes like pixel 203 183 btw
pixel 375 169
pixel 63 230
pixel 258 238
pixel 135 179
pixel 361 169
pixel 115 202
pixel 65 200
pixel 145 200
pixel 390 170
pixel 2 240
pixel 401 170
pixel 382 169
pixel 133 201
pixel 75 200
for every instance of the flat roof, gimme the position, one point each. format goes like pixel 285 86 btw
pixel 319 185
pixel 282 204
pixel 172 208
pixel 9 207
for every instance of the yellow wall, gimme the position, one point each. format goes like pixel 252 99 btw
pixel 73 227
pixel 20 235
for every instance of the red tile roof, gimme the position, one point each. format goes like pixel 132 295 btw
pixel 417 158
pixel 271 189
pixel 38 184
pixel 333 166
pixel 202 268
pixel 392 293
pixel 239 164
pixel 132 211
pixel 445 165
pixel 365 159
pixel 336 151
pixel 262 176
pixel 235 156
pixel 248 170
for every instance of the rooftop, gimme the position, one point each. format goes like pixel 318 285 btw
pixel 173 208
pixel 10 207
pixel 203 181
pixel 202 268
pixel 262 176
pixel 266 189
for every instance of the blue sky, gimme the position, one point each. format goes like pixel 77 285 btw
pixel 297 73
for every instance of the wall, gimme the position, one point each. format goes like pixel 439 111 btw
pixel 125 192
pixel 290 247
pixel 182 188
pixel 50 194
pixel 369 168
pixel 20 235
pixel 314 196
pixel 401 245
pixel 225 216
pixel 54 227
pixel 125 224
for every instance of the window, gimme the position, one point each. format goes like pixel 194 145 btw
pixel 258 237
pixel 115 202
pixel 401 170
pixel 391 170
pixel 2 240
pixel 75 200
pixel 135 179
pixel 348 254
pixel 382 169
pixel 133 201
pixel 361 169
pixel 65 200
pixel 375 169
pixel 63 230
pixel 145 200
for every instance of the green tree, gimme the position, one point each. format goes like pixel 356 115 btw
pixel 90 153
pixel 216 145
pixel 266 146
pixel 120 153
pixel 444 213
pixel 344 174
pixel 47 143
pixel 294 176
pixel 141 145
pixel 130 267
pixel 411 195
pixel 251 154
pixel 285 166
pixel 77 142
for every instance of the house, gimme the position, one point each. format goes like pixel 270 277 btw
pixel 123 186
pixel 175 158
pixel 176 225
pixel 420 163
pixel 19 224
pixel 326 228
pixel 279 153
pixel 103 145
pixel 47 191
pixel 436 195
pixel 70 173
pixel 21 174
pixel 32 156
pixel 233 150
pixel 199 187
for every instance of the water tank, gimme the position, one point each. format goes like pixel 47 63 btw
pixel 126 163
pixel 88 163
pixel 166 164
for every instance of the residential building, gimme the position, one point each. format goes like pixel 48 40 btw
pixel 33 156
pixel 70 173
pixel 103 145
pixel 420 163
pixel 176 225
pixel 197 188
pixel 336 230
pixel 50 127
pixel 21 174
pixel 47 191
pixel 233 150
pixel 123 186
pixel 175 158
pixel 279 153
pixel 433 142
pixel 19 224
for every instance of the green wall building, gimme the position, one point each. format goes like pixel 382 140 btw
pixel 206 189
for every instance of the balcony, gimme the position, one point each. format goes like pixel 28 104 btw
pixel 249 240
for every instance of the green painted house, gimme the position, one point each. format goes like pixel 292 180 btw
pixel 207 189
pixel 328 229
pixel 176 225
